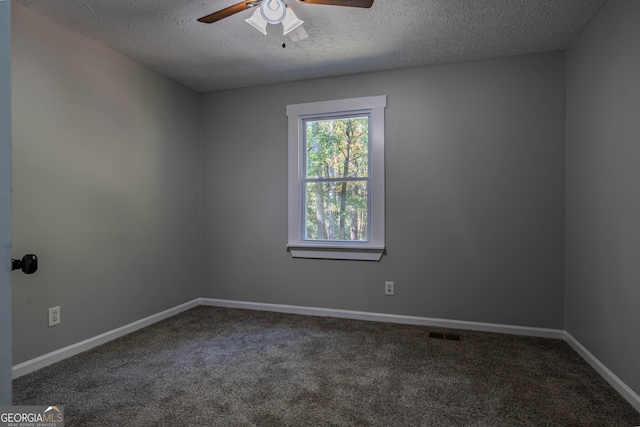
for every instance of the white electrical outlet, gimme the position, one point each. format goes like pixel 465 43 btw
pixel 54 316
pixel 388 288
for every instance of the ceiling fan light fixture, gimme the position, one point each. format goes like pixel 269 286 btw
pixel 258 22
pixel 291 21
pixel 273 11
pixel 298 34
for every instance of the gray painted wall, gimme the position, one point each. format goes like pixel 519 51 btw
pixel 603 207
pixel 475 157
pixel 105 187
pixel 5 203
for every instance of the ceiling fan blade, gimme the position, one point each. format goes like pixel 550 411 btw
pixel 227 11
pixel 349 3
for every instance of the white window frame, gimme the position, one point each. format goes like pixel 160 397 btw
pixel 373 248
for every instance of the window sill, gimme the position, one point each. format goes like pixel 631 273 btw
pixel 362 253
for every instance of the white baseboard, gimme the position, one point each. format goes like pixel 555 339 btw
pixel 63 353
pixel 615 382
pixel 389 318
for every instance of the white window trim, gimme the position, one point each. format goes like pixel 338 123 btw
pixel 373 249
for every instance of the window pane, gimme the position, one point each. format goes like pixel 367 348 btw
pixel 337 148
pixel 337 210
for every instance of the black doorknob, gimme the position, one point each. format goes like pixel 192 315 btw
pixel 28 264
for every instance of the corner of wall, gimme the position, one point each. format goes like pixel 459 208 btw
pixel 200 144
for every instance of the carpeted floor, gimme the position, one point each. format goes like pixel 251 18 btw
pixel 226 367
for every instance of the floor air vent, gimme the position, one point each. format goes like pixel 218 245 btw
pixel 443 336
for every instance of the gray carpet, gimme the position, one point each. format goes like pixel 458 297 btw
pixel 225 367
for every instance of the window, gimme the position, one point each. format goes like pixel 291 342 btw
pixel 336 179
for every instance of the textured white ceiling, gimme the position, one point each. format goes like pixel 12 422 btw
pixel 165 36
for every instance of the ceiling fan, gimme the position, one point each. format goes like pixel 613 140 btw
pixel 277 12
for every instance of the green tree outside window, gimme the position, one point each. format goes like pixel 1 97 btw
pixel 336 182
